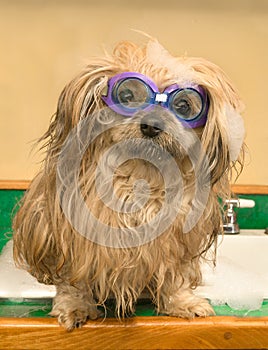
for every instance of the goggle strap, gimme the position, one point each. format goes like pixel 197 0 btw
pixel 104 91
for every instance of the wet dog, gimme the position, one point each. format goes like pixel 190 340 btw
pixel 141 146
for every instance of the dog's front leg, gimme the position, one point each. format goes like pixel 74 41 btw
pixel 73 306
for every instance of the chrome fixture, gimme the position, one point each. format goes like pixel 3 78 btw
pixel 230 225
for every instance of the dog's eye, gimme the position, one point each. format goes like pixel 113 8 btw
pixel 186 104
pixel 182 107
pixel 125 96
pixel 131 93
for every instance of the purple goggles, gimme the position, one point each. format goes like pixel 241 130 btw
pixel 131 92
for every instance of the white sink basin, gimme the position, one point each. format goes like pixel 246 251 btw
pixel 239 279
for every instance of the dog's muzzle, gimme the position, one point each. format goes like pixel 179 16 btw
pixel 151 125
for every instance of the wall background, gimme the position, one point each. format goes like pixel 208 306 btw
pixel 45 43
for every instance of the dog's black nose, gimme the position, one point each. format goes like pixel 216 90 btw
pixel 151 125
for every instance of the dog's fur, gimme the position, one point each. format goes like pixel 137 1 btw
pixel 168 267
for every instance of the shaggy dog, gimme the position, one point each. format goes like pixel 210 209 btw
pixel 140 148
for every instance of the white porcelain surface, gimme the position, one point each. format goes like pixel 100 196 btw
pixel 240 277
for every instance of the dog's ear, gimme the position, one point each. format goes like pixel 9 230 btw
pixel 223 135
pixel 59 127
pixel 80 97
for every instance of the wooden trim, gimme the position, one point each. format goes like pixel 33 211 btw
pixel 14 184
pixel 250 189
pixel 137 333
pixel 239 189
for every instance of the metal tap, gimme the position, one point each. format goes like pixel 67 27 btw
pixel 230 225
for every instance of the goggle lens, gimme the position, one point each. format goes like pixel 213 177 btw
pixel 132 93
pixel 186 104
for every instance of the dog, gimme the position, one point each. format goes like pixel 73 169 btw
pixel 140 148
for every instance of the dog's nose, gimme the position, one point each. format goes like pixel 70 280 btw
pixel 151 125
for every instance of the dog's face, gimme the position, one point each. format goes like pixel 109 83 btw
pixel 204 104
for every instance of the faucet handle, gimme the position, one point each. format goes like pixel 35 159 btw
pixel 246 203
pixel 240 203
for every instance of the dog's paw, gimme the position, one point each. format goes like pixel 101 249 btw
pixel 201 308
pixel 71 320
pixel 71 317
pixel 189 306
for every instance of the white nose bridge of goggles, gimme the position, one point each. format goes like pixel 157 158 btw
pixel 161 97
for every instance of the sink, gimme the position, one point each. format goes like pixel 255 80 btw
pixel 239 279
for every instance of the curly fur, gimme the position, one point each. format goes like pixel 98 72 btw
pixel 168 268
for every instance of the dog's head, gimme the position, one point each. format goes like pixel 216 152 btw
pixel 145 93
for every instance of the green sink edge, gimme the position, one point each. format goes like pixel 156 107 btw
pixel 42 308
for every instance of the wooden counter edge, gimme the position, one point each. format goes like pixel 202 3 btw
pixel 14 184
pixel 250 189
pixel 137 333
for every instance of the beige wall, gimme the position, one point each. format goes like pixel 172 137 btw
pixel 44 43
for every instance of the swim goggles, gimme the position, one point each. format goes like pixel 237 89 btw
pixel 130 92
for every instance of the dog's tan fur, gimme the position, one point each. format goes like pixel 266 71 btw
pixel 168 267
